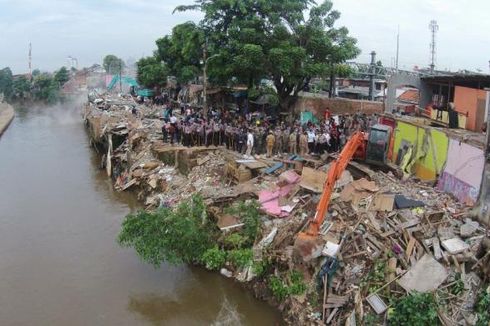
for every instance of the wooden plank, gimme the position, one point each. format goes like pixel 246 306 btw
pixel 374 241
pixel 312 179
pixel 332 314
pixel 325 295
pixel 401 227
pixel 410 246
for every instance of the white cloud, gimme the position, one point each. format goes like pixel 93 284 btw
pixel 89 29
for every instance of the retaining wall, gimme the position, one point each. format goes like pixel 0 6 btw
pixel 319 103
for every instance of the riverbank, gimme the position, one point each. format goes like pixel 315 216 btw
pixel 6 116
pixel 381 234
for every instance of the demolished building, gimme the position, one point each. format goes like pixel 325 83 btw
pixel 382 233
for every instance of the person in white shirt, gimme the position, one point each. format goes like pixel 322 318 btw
pixel 311 140
pixel 250 143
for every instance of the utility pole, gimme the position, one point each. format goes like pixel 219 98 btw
pixel 397 48
pixel 205 78
pixel 433 27
pixel 372 74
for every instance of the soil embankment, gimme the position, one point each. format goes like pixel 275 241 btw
pixel 6 116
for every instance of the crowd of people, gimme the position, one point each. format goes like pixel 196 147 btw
pixel 254 134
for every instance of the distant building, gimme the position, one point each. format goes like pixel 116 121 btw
pixel 457 100
pixel 358 88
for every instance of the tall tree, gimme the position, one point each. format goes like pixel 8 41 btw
pixel 62 76
pixel 288 41
pixel 21 88
pixel 182 51
pixel 6 83
pixel 112 64
pixel 151 72
pixel 45 88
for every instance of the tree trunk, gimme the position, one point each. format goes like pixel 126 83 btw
pixel 331 92
pixel 286 104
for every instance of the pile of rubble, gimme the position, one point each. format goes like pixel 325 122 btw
pixel 383 238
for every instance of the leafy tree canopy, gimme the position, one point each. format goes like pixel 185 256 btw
pixel 112 64
pixel 36 72
pixel 288 41
pixel 152 72
pixel 21 88
pixel 6 83
pixel 182 51
pixel 62 76
pixel 45 88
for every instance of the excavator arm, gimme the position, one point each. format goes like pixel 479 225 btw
pixel 305 242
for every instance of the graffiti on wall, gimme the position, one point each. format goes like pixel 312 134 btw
pixel 461 190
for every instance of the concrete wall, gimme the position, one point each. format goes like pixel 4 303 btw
pixel 466 101
pixel 429 148
pixel 317 104
pixel 462 175
pixel 403 79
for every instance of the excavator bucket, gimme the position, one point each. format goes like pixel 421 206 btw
pixel 308 247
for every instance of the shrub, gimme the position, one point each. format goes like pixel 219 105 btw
pixel 482 308
pixel 294 285
pixel 260 267
pixel 415 309
pixel 278 288
pixel 214 258
pixel 176 236
pixel 249 214
pixel 376 276
pixel 235 241
pixel 240 258
pixel 297 286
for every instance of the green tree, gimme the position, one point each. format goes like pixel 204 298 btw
pixel 6 83
pixel 21 88
pixel 62 76
pixel 182 51
pixel 36 72
pixel 112 64
pixel 151 72
pixel 45 88
pixel 288 41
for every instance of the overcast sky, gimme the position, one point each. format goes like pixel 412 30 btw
pixel 90 29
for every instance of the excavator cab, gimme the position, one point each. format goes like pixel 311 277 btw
pixel 378 145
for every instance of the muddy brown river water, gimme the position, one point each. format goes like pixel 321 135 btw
pixel 59 261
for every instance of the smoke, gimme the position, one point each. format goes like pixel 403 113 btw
pixel 68 112
pixel 228 315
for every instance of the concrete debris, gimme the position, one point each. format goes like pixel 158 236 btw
pixel 455 246
pixel 425 276
pixel 226 272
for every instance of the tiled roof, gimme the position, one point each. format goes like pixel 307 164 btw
pixel 410 95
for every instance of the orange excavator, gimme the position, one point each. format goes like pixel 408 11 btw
pixel 308 243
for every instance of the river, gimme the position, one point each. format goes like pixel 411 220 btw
pixel 59 261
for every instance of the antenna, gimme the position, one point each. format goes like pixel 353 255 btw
pixel 397 47
pixel 30 60
pixel 433 27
